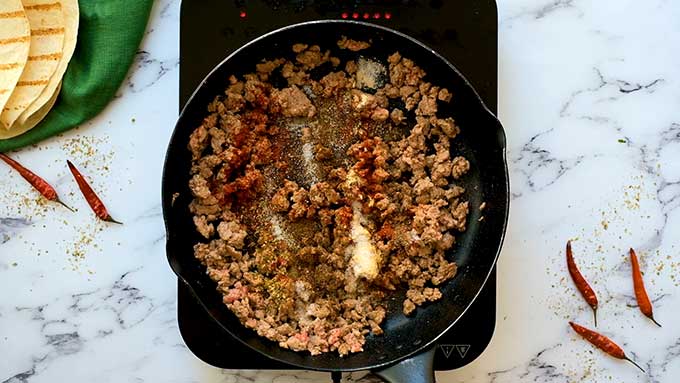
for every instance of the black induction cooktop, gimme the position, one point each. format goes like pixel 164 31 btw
pixel 463 31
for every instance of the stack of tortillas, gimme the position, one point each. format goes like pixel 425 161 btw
pixel 37 40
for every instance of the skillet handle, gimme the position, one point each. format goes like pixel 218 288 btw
pixel 418 369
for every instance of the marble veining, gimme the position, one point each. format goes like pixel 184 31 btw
pixel 9 227
pixel 147 70
pixel 544 10
pixel 588 96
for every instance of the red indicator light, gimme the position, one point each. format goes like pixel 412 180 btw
pixel 344 15
pixel 388 15
pixel 243 14
pixel 366 15
pixel 355 15
pixel 376 15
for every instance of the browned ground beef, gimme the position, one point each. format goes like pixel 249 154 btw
pixel 293 186
pixel 353 45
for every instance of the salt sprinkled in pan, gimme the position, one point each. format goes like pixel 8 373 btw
pixel 370 74
pixel 311 167
pixel 277 229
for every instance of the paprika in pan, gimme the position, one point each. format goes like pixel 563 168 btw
pixel 640 292
pixel 603 343
pixel 581 284
pixel 92 199
pixel 45 189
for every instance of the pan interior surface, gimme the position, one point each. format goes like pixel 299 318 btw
pixel 481 141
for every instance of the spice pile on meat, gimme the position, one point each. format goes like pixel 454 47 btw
pixel 322 188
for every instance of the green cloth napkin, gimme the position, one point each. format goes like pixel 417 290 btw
pixel 108 36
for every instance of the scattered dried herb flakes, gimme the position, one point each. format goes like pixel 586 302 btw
pixel 24 203
pixel 632 196
pixel 80 238
pixel 85 150
pixel 84 243
pixel 615 218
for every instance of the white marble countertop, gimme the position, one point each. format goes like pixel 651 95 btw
pixel 589 95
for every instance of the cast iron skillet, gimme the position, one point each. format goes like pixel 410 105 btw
pixel 405 352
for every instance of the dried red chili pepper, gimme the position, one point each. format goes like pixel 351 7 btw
pixel 603 343
pixel 640 292
pixel 45 189
pixel 583 287
pixel 90 196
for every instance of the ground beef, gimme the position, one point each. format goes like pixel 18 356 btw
pixel 312 57
pixel 198 141
pixel 280 202
pixel 380 114
pixel 199 187
pixel 301 191
pixel 322 153
pixel 427 106
pixel 397 116
pixel 204 228
pixel 333 83
pixel 294 75
pixel 297 48
pixel 352 45
pixel 292 102
pixel 403 71
pixel 460 166
pixel 268 67
pixel 444 95
pixel 351 67
pixel 322 194
pixel 232 232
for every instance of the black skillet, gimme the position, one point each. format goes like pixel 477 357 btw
pixel 405 352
